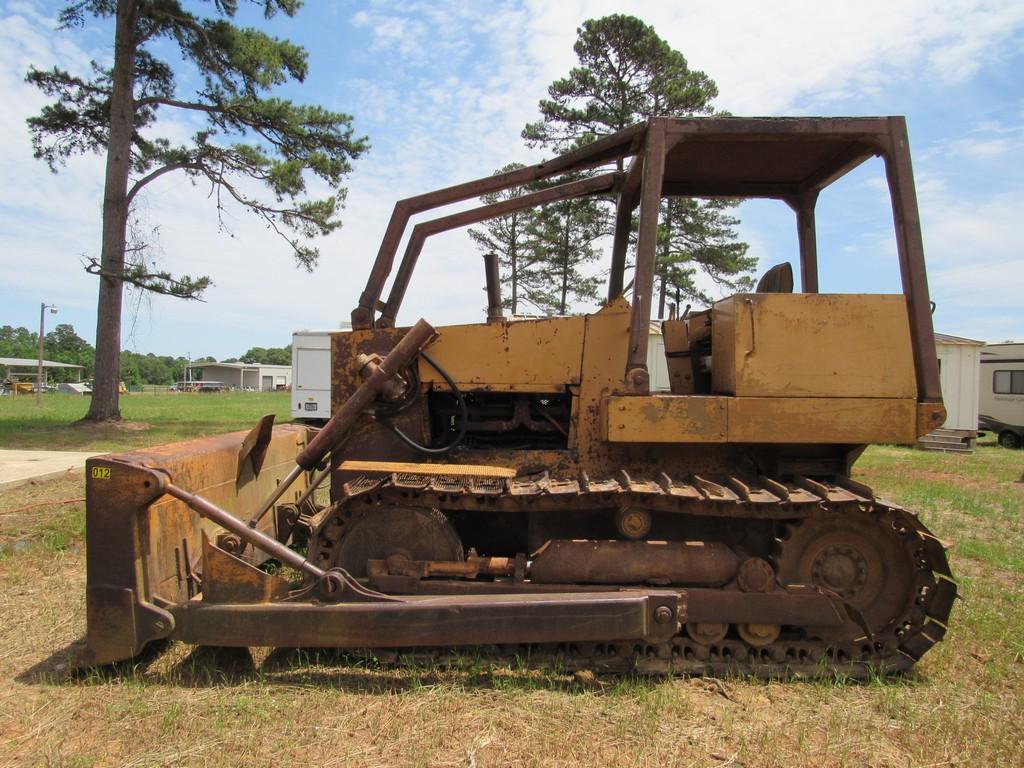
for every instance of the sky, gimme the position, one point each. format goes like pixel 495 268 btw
pixel 442 91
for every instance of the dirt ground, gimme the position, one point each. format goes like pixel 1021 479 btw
pixel 183 706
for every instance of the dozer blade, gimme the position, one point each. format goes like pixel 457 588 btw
pixel 144 549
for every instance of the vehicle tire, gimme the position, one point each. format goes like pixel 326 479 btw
pixel 1009 439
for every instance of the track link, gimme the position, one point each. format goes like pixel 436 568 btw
pixel 930 590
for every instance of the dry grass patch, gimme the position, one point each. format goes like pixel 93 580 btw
pixel 184 706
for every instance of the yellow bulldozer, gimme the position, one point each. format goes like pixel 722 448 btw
pixel 517 485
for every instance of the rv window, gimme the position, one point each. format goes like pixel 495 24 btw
pixel 1008 382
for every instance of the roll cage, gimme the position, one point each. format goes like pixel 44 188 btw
pixel 790 159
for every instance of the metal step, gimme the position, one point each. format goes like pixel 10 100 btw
pixel 929 445
pixel 948 440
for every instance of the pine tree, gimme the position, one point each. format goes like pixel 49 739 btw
pixel 508 237
pixel 248 136
pixel 627 73
pixel 696 234
pixel 562 242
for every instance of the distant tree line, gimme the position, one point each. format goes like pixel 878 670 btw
pixel 265 355
pixel 63 345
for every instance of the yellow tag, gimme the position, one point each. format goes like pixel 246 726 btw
pixel 101 473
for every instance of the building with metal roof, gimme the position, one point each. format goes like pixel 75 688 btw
pixel 255 376
pixel 26 368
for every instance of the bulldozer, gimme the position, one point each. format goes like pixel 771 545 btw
pixel 517 485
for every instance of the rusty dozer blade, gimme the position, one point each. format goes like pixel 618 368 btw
pixel 142 548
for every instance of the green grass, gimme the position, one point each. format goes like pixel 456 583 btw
pixel 1007 555
pixel 30 526
pixel 63 530
pixel 975 500
pixel 148 419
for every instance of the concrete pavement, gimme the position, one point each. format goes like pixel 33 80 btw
pixel 18 467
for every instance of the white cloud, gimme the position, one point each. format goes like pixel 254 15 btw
pixel 790 56
pixel 988 140
pixel 985 148
pixel 976 264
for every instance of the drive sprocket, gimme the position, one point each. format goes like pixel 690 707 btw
pixel 862 559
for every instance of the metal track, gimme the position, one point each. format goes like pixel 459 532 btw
pixel 929 592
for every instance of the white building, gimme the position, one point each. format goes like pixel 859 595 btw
pixel 255 376
pixel 959 362
pixel 25 369
pixel 657 365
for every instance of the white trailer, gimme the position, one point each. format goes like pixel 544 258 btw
pixel 1001 393
pixel 959 360
pixel 958 376
pixel 311 375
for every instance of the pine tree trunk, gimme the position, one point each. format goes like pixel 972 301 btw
pixel 565 265
pixel 514 260
pixel 104 404
pixel 664 248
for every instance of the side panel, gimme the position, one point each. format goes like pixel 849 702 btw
pixel 604 360
pixel 812 345
pixel 676 345
pixel 958 377
pixel 822 420
pixel 764 420
pixel 518 355
pixel 663 419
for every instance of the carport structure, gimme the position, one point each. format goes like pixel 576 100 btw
pixel 23 368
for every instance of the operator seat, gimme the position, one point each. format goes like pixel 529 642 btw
pixel 778 279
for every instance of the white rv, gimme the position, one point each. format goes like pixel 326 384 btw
pixel 1001 393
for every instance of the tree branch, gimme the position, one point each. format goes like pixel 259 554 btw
pixel 197 106
pixel 154 282
pixel 138 185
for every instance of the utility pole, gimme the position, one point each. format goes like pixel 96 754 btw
pixel 39 371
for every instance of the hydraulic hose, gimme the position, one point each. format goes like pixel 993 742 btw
pixel 460 434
